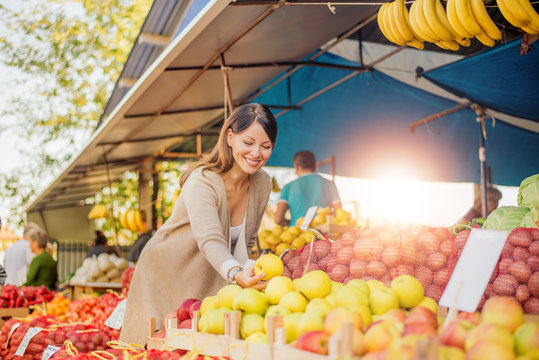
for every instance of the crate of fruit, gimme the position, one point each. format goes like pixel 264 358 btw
pixel 9 313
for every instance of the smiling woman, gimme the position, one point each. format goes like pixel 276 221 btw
pixel 205 242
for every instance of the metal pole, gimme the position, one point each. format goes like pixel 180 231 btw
pixel 482 158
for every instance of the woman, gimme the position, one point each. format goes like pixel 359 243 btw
pixel 42 269
pixel 100 245
pixel 205 242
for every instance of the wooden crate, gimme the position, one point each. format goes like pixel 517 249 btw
pixel 6 314
pixel 75 291
pixel 333 230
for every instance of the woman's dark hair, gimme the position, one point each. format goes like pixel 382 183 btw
pixel 220 158
pixel 100 238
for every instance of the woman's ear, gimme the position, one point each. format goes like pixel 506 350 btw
pixel 229 135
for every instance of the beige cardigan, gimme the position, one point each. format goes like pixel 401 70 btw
pixel 190 254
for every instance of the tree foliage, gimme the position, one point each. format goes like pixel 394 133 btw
pixel 67 55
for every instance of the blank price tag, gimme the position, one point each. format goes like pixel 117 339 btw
pixel 13 328
pixel 33 331
pixel 49 352
pixel 308 218
pixel 474 269
pixel 116 319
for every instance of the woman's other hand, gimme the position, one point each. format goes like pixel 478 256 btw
pixel 247 279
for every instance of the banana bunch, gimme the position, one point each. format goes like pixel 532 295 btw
pixel 521 14
pixel 394 22
pixel 132 220
pixel 470 18
pixel 98 211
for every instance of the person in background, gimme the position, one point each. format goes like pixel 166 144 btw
pixel 143 237
pixel 18 257
pixel 308 190
pixel 493 197
pixel 214 223
pixel 42 269
pixel 3 277
pixel 100 245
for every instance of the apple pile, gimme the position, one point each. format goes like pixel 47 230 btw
pixel 517 272
pixel 282 238
pixel 427 253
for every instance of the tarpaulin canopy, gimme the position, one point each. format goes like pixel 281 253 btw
pixel 501 79
pixel 365 121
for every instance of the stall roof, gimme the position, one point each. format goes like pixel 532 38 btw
pixel 181 93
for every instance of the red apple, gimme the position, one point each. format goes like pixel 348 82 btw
pixel 194 307
pixel 520 237
pixel 394 315
pixel 186 324
pixel 379 335
pixel 520 270
pixel 456 332
pixel 418 328
pixel 183 310
pixel 503 311
pixel 421 314
pixel 314 341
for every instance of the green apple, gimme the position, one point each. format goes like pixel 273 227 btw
pixel 315 284
pixel 319 304
pixel 275 310
pixel 291 326
pixel 277 287
pixel 331 299
pixel 258 337
pixel 312 321
pixel 373 284
pixel 251 323
pixel 269 264
pixel 203 321
pixel 526 338
pixel 225 295
pixel 209 303
pixel 250 301
pixel 383 299
pixel 294 301
pixel 361 285
pixel 408 289
pixel 335 285
pixel 216 322
pixel 350 295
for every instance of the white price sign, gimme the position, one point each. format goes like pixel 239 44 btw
pixel 116 319
pixel 308 218
pixel 33 331
pixel 13 328
pixel 49 352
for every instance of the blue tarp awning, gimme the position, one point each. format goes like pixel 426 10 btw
pixel 501 79
pixel 365 121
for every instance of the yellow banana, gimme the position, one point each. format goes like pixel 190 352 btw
pixel 534 17
pixel 131 222
pixel 445 21
pixel 449 44
pixel 391 26
pixel 508 14
pixel 402 25
pixel 465 14
pixel 485 39
pixel 530 30
pixel 381 24
pixel 422 21
pixel 408 23
pixel 416 43
pixel 429 9
pixel 91 214
pixel 483 19
pixel 415 25
pixel 123 220
pixel 454 19
pixel 518 10
pixel 138 221
pixel 440 44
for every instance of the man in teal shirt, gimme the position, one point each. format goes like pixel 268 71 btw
pixel 308 190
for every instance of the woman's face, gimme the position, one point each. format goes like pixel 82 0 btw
pixel 250 148
pixel 33 246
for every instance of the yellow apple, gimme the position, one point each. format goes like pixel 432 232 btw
pixel 294 301
pixel 225 295
pixel 251 323
pixel 287 237
pixel 250 301
pixel 489 332
pixel 315 284
pixel 279 249
pixel 364 311
pixel 430 304
pixel 526 338
pixel 361 285
pixel 297 243
pixel 216 322
pixel 275 310
pixel 308 236
pixel 291 326
pixel 350 295
pixel 269 264
pixel 335 285
pixel 408 289
pixel 209 302
pixel 336 318
pixel 258 338
pixel 319 304
pixel 380 335
pixel 331 299
pixel 310 322
pixel 383 299
pixel 277 287
pixel 373 284
pixel 263 234
pixel 203 321
pixel 294 230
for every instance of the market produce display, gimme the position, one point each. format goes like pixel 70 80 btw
pixel 127 275
pixel 24 296
pixel 103 269
pixel 454 26
pixel 98 211
pixel 132 220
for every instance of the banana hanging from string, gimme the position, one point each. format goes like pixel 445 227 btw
pixel 442 16
pixel 454 20
pixel 401 18
pixel 521 14
pixel 429 9
pixel 391 24
pixel 415 24
pixel 483 19
pixel 422 22
pixel 395 28
pixel 468 19
pixel 382 24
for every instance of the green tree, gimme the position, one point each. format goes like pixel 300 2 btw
pixel 67 54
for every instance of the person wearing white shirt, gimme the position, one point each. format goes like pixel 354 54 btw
pixel 18 257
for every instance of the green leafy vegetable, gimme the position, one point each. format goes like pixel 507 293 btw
pixel 528 193
pixel 531 219
pixel 505 218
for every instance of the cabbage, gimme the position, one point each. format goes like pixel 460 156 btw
pixel 531 219
pixel 505 218
pixel 528 192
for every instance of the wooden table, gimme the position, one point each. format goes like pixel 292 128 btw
pixel 76 290
pixel 12 313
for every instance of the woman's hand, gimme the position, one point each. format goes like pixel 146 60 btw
pixel 247 279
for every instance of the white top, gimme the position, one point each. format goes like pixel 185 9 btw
pixel 235 232
pixel 16 261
